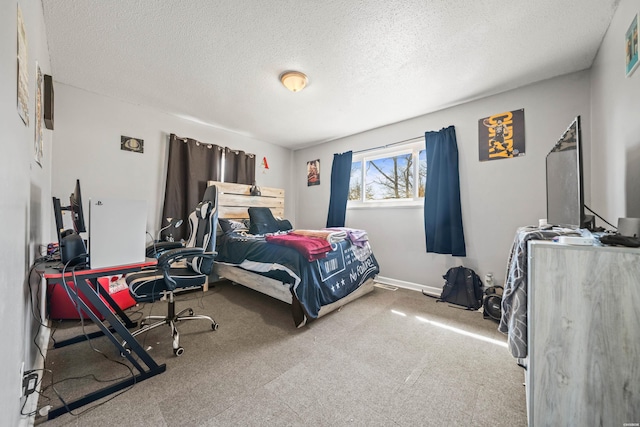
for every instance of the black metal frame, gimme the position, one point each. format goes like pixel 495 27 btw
pixel 87 285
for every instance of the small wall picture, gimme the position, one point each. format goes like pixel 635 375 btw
pixel 313 172
pixel 501 136
pixel 131 144
pixel 39 114
pixel 631 47
pixel 23 70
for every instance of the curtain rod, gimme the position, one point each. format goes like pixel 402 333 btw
pixel 389 145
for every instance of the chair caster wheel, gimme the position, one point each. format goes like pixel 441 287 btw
pixel 123 354
pixel 190 312
pixel 178 351
pixel 214 326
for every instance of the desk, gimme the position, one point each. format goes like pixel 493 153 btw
pixel 87 284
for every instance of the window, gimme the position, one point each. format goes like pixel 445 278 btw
pixel 388 176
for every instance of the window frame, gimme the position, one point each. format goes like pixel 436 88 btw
pixel 414 148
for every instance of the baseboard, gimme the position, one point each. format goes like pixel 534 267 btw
pixel 430 290
pixel 31 405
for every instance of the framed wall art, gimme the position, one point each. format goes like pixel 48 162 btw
pixel 631 47
pixel 313 172
pixel 501 136
pixel 39 115
pixel 131 144
pixel 23 71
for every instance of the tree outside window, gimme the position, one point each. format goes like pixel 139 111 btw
pixel 389 176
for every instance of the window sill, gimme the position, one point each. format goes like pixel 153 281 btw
pixel 391 205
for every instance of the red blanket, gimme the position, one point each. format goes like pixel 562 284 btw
pixel 312 248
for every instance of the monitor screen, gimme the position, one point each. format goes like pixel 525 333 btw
pixel 73 250
pixel 565 199
pixel 75 206
pixel 57 214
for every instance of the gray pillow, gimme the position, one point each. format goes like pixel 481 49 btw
pixel 284 225
pixel 262 221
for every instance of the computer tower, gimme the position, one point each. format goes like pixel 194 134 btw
pixel 117 232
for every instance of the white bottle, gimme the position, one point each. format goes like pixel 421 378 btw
pixel 488 280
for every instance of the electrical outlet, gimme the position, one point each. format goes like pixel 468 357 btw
pixel 29 382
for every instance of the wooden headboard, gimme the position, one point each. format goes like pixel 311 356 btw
pixel 234 200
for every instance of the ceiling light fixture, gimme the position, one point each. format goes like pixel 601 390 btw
pixel 295 81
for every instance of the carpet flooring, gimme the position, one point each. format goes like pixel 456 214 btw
pixel 390 358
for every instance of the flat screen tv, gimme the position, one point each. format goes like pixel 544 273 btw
pixel 565 186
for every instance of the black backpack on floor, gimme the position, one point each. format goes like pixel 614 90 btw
pixel 462 287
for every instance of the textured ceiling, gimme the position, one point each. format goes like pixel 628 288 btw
pixel 369 62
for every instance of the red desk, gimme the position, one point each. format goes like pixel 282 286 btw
pixel 61 307
pixel 102 306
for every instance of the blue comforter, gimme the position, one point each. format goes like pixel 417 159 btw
pixel 313 284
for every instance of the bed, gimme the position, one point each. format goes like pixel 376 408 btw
pixel 313 284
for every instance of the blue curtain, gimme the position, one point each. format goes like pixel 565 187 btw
pixel 442 213
pixel 340 175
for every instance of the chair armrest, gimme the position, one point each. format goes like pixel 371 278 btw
pixel 154 250
pixel 168 258
pixel 173 255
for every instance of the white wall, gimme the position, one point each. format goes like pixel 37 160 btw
pixel 88 130
pixel 497 196
pixel 616 124
pixel 25 199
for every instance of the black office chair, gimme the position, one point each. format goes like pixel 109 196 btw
pixel 180 269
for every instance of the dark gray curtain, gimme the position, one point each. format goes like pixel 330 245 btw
pixel 340 175
pixel 191 164
pixel 442 212
pixel 239 167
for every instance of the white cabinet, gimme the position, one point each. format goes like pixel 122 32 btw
pixel 584 335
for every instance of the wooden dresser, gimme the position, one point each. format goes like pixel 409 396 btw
pixel 584 335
